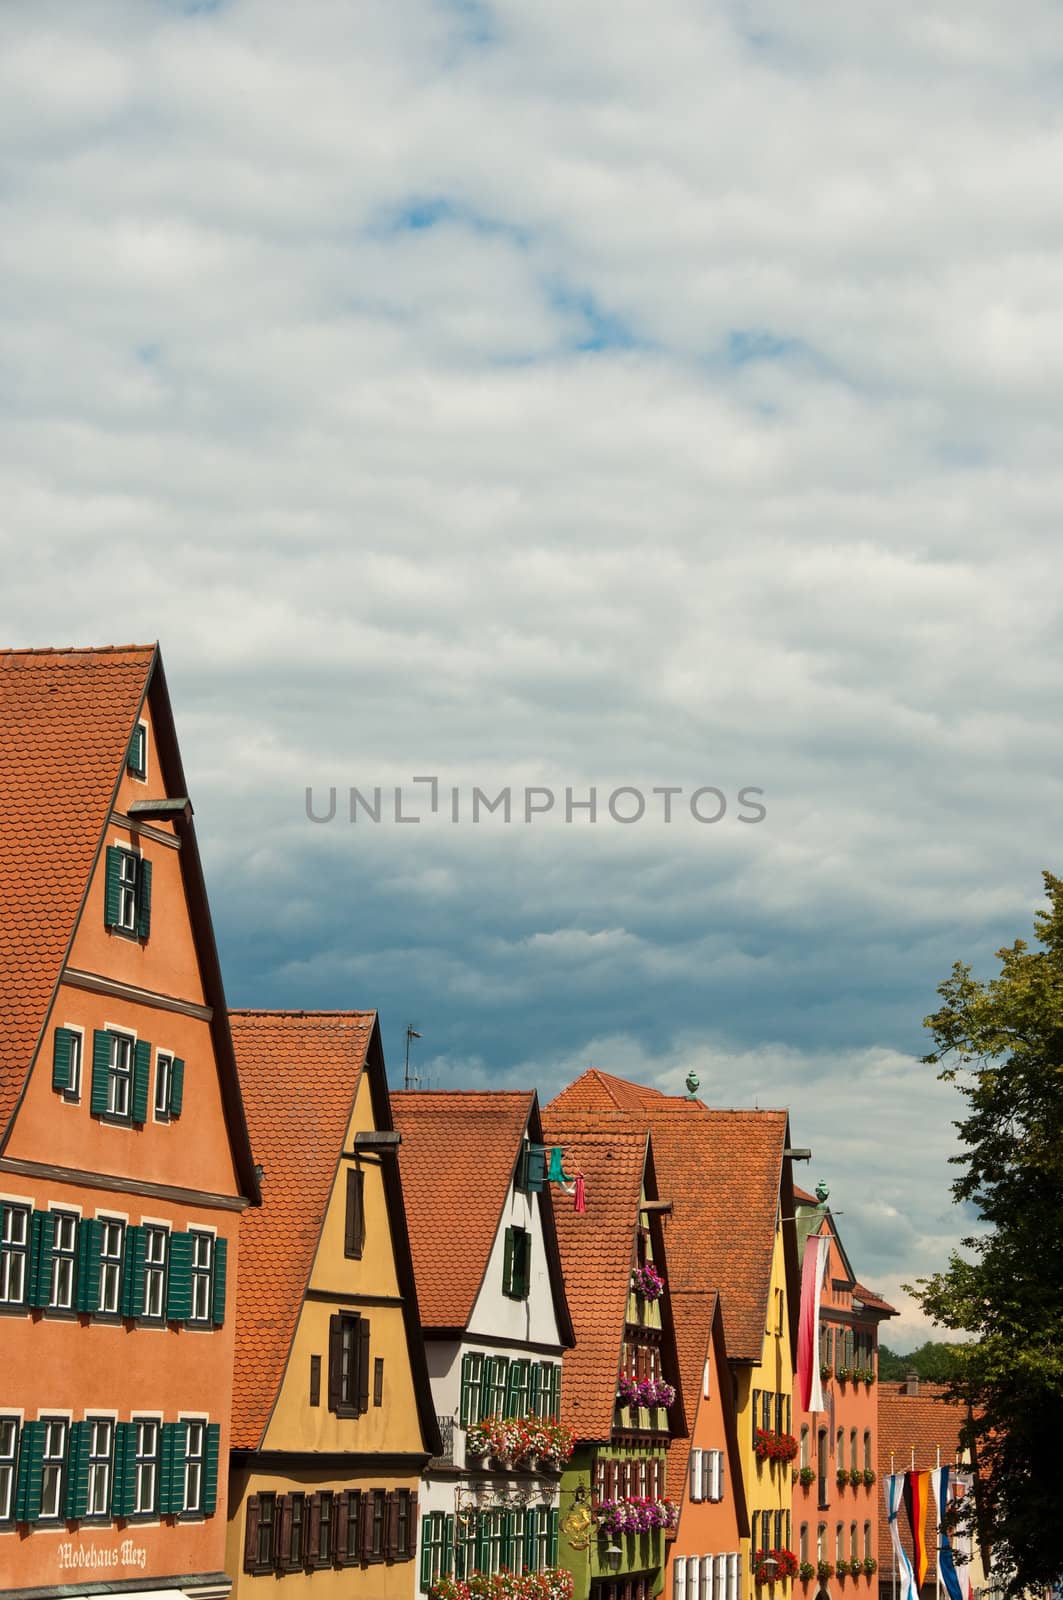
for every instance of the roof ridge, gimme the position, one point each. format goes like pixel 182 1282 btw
pixel 77 649
pixel 279 1011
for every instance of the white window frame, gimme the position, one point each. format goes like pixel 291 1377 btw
pixel 140 726
pixel 719 1580
pixel 72 1095
pixel 15 1207
pixel 111 1219
pixel 155 1225
pixel 142 1419
pixel 55 1419
pixel 734 1575
pixel 705 1383
pixel 161 1055
pixel 197 1419
pixel 9 1464
pixel 96 1419
pixel 679 1577
pixel 694 1581
pixel 128 889
pixel 64 1213
pixel 118 1034
pixel 199 1276
pixel 697 1475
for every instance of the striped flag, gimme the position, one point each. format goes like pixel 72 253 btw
pixel 893 1487
pixel 916 1499
pixel 815 1264
pixel 939 1480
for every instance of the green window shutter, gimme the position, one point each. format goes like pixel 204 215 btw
pixel 509 1531
pixel 210 1469
pixel 555 1389
pixel 221 1251
pixel 525 1264
pixel 177 1086
pixel 483 1541
pixel 512 1386
pixel 124 1482
pixel 487 1378
pixel 144 898
pixel 136 1245
pixel 141 1080
pixel 62 1058
pixel 551 1558
pixel 101 1071
pixel 76 1494
pixel 531 1523
pixel 426 1551
pixel 448 1544
pixel 42 1246
pixel 178 1457
pixel 465 1414
pixel 166 1449
pixel 536 1168
pixel 90 1241
pixel 30 1462
pixel 179 1282
pixel 535 1395
pixel 507 1263
pixel 112 893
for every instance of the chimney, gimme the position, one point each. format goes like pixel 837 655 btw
pixel 911 1383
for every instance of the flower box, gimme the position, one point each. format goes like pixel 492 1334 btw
pixel 868 1476
pixel 774 1566
pixel 870 1566
pixel 841 1569
pixel 806 1571
pixel 843 1477
pixel 856 1477
pixel 824 1570
pixel 636 1516
pixel 553 1583
pixel 807 1477
pixel 844 1374
pixel 647 1282
pixel 826 1371
pixel 519 1440
pixel 645 1392
pixel 771 1446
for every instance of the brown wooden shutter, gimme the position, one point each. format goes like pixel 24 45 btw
pixel 313 1535
pixel 412 1526
pixel 354 1233
pixel 339 1532
pixel 283 1514
pixel 391 1525
pixel 610 1480
pixel 366 1522
pixel 251 1535
pixel 335 1361
pixel 363 1364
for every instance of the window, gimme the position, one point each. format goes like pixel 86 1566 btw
pixel 101 1454
pixel 854 1543
pixel 734 1576
pixel 156 1250
pixel 433 1562
pixel 260 1533
pixel 378 1381
pixel 499 1375
pixel 293 1532
pixel 196 1440
pixel 354 1229
pixel 403 1542
pixel 202 1275
pixel 348 1376
pixel 349 1528
pixel 63 1251
pixel 377 1525
pixel 840 1446
pixel 321 1529
pixel 127 892
pixel 867 1449
pixel 14 1254
pixel 839 1542
pixel 821 1542
pixel 112 1251
pixel 8 1464
pixel 803 1461
pixel 315 1380
pixel 163 1081
pixel 867 1541
pixel 679 1578
pixel 53 1468
pixel 821 1467
pixel 516 1266
pixel 852 1449
pixel 137 756
pixel 550 1392
pixel 804 1542
pixel 66 1062
pixel 146 1469
pixel 705 1380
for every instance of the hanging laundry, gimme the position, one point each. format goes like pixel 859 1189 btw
pixel 557 1173
pixel 581 1193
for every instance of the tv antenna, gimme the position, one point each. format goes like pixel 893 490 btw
pixel 411 1033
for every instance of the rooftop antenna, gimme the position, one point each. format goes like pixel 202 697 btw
pixel 411 1033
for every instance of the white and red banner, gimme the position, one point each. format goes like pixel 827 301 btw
pixel 808 1380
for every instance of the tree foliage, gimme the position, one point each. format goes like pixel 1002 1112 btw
pixel 934 1361
pixel 1001 1043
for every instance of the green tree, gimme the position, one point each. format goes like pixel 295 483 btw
pixel 933 1361
pixel 1001 1043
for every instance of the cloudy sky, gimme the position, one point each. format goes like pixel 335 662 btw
pixel 570 396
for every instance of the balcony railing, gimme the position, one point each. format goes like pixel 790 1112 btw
pixel 446 1433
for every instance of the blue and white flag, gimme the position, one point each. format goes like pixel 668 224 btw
pixel 893 1488
pixel 939 1484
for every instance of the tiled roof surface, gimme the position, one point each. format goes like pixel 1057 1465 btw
pixel 803 1197
pixel 873 1301
pixel 595 1090
pixel 458 1154
pixel 722 1171
pixel 596 1257
pixel 925 1422
pixel 297 1139
pixel 66 717
pixel 692 1313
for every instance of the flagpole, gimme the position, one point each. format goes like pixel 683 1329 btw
pixel 892 1544
pixel 937 1553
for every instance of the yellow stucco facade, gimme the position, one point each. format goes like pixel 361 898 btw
pixel 370 1463
pixel 768 1484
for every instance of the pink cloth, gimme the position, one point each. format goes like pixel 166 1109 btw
pixel 581 1193
pixel 808 1381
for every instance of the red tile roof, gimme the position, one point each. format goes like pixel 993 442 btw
pixel 596 1256
pixel 722 1170
pixel 297 1139
pixel 459 1151
pixel 67 717
pixel 873 1301
pixel 692 1312
pixel 803 1197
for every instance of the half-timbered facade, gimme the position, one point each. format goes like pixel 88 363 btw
pixel 124 1159
pixel 496 1324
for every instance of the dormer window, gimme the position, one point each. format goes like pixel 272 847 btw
pixel 137 757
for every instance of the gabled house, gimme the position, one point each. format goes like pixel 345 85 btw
pixel 332 1411
pixel 836 1500
pixel 731 1231
pixel 125 1164
pixel 496 1325
pixel 621 1398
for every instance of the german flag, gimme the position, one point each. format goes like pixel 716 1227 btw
pixel 916 1500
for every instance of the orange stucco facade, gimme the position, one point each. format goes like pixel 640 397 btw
pixel 710 1527
pixel 832 1519
pixel 69 1359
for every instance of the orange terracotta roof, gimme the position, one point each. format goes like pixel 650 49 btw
pixel 67 717
pixel 873 1301
pixel 722 1171
pixel 803 1197
pixel 596 1256
pixel 600 1091
pixel 297 1139
pixel 924 1422
pixel 692 1312
pixel 459 1152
